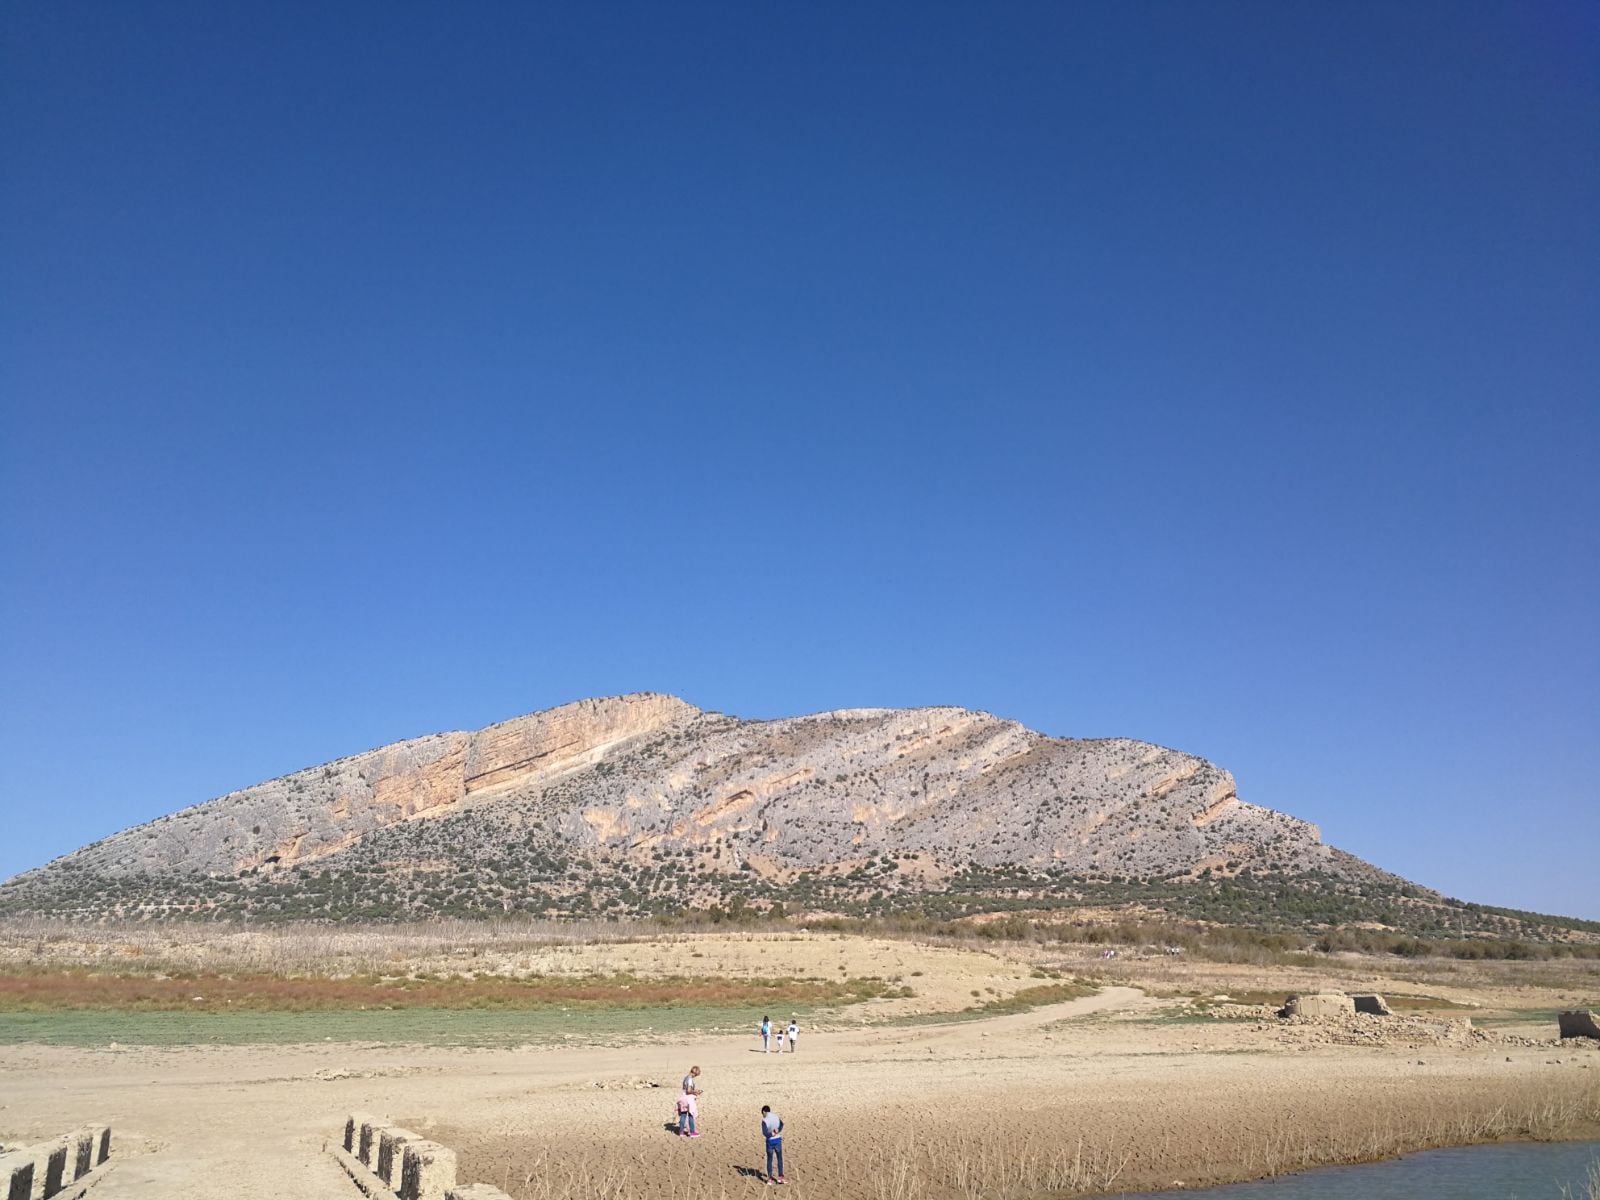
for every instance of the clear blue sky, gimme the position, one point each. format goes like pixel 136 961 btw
pixel 1223 375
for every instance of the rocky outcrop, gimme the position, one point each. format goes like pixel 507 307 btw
pixel 1579 1022
pixel 538 747
pixel 322 810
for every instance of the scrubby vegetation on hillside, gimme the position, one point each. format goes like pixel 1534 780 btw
pixel 406 874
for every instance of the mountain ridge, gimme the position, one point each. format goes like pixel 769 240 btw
pixel 318 811
pixel 645 805
pixel 659 803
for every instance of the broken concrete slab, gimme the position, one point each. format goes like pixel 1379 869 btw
pixel 66 1166
pixel 1372 1003
pixel 429 1171
pixel 367 1147
pixel 82 1142
pixel 51 1173
pixel 476 1191
pixel 353 1125
pixel 1318 1004
pixel 360 1174
pixel 1579 1022
pixel 392 1155
pixel 403 1165
pixel 16 1174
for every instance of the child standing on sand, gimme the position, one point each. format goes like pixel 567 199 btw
pixel 794 1034
pixel 688 1109
pixel 772 1134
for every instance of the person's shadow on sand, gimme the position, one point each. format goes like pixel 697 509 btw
pixel 671 1127
pixel 750 1173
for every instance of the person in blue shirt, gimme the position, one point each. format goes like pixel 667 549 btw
pixel 766 1035
pixel 772 1131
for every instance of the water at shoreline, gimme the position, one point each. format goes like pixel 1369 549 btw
pixel 1506 1171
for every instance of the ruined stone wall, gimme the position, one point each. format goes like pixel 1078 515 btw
pixel 64 1167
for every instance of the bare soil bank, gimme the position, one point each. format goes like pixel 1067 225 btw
pixel 1124 1089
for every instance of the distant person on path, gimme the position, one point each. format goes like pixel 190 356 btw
pixel 794 1034
pixel 772 1134
pixel 688 1109
pixel 766 1035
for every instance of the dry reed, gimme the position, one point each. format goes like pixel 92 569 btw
pixel 1033 1152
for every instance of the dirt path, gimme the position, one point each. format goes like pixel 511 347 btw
pixel 1110 999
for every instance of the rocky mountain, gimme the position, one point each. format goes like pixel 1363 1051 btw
pixel 646 804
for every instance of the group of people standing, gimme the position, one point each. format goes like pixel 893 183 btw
pixel 771 1123
pixel 793 1034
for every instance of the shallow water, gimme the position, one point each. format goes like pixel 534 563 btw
pixel 1511 1171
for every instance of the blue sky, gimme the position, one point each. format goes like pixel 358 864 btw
pixel 1223 375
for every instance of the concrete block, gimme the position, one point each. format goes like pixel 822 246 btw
pixel 367 1147
pixel 102 1149
pixel 429 1171
pixel 392 1155
pixel 82 1142
pixel 385 1159
pixel 352 1130
pixel 1374 1004
pixel 1580 1022
pixel 368 1183
pixel 476 1191
pixel 53 1167
pixel 1318 1004
pixel 16 1174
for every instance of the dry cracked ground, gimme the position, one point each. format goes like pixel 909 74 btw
pixel 1128 1087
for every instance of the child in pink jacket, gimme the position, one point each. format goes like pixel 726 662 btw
pixel 688 1110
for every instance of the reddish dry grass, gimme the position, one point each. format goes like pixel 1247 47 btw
pixel 46 990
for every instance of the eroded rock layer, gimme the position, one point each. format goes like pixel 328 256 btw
pixel 634 780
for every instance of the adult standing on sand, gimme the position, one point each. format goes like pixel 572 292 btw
pixel 772 1134
pixel 766 1035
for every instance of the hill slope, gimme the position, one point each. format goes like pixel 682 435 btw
pixel 644 803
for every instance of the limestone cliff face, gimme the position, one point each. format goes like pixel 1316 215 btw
pixel 322 810
pixel 959 786
pixel 626 779
pixel 531 748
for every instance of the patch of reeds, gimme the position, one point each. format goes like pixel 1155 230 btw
pixel 1020 1152
pixel 1588 1189
pixel 297 948
pixel 1530 1111
pixel 42 990
pixel 954 1167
